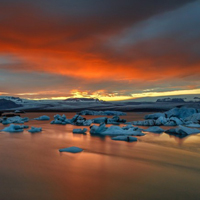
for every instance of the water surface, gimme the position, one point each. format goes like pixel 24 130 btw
pixel 158 166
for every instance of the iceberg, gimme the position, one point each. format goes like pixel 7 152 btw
pixel 125 138
pixel 76 120
pixel 43 117
pixel 115 120
pixel 97 130
pixel 34 130
pixel 13 128
pixel 194 125
pixel 71 150
pixel 58 119
pixel 15 120
pixel 80 130
pixel 181 113
pixel 114 130
pixel 154 116
pixel 194 118
pixel 155 129
pixel 100 120
pixel 181 130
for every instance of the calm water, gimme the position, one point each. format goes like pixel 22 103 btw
pixel 158 166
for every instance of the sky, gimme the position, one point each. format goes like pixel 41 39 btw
pixel 106 49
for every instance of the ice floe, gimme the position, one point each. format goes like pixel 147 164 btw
pixel 182 130
pixel 71 150
pixel 80 130
pixel 173 117
pixel 43 117
pixel 14 128
pixel 76 120
pixel 15 120
pixel 114 130
pixel 194 125
pixel 35 129
pixel 114 120
pixel 154 129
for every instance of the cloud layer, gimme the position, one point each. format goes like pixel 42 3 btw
pixel 109 48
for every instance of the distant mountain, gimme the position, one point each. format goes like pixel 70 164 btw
pixel 16 100
pixel 82 100
pixel 7 104
pixel 175 100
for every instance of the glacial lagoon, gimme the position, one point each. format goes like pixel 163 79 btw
pixel 157 166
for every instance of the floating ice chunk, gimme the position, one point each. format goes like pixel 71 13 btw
pixel 100 120
pixel 181 113
pixel 43 117
pixel 176 120
pixel 60 120
pixel 194 118
pixel 35 130
pixel 76 120
pixel 154 129
pixel 181 130
pixel 71 150
pixel 194 125
pixel 96 130
pixel 115 119
pixel 80 130
pixel 16 120
pixel 154 116
pixel 135 128
pixel 14 128
pixel 116 130
pixel 125 138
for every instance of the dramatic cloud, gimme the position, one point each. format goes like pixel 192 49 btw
pixel 52 48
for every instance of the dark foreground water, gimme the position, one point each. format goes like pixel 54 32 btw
pixel 158 166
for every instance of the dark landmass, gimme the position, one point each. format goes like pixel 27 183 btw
pixel 7 104
pixel 171 100
pixel 92 104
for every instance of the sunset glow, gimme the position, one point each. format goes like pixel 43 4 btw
pixel 50 49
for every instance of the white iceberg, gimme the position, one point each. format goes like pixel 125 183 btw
pixel 35 129
pixel 71 150
pixel 182 130
pixel 80 130
pixel 125 138
pixel 43 117
pixel 14 128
